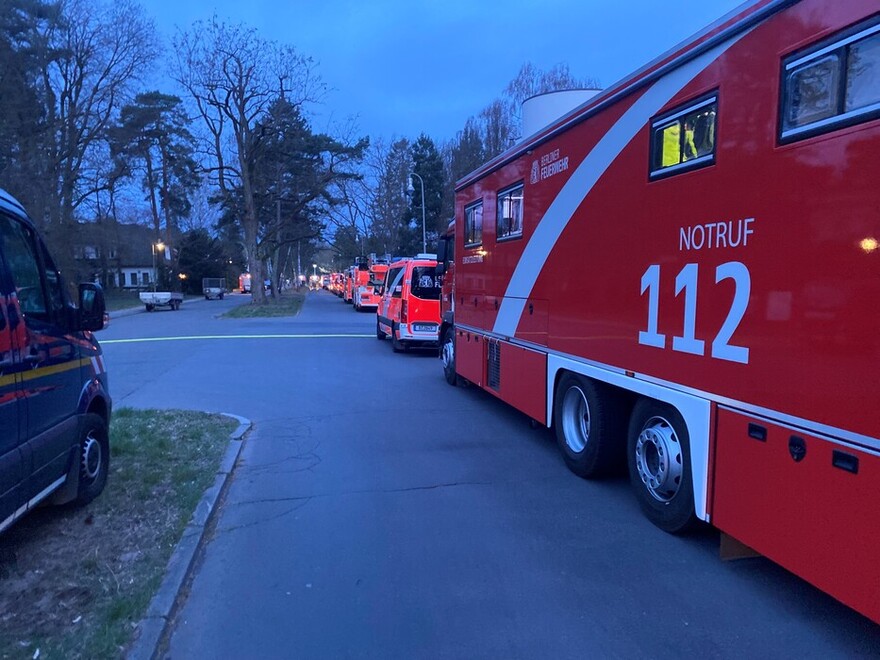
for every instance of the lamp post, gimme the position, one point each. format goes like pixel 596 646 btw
pixel 410 188
pixel 154 248
pixel 314 276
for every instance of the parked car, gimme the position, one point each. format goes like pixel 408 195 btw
pixel 54 401
pixel 409 311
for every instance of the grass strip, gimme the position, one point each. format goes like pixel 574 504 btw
pixel 288 304
pixel 74 582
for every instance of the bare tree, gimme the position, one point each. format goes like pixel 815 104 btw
pixel 98 51
pixel 233 76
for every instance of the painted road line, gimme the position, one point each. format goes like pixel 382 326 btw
pixel 140 340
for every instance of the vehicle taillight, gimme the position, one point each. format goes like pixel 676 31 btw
pixel 403 307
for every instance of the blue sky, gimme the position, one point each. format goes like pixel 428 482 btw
pixel 403 68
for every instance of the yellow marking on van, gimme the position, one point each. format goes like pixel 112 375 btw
pixel 42 372
pixel 141 340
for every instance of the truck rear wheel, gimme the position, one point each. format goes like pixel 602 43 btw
pixel 396 345
pixel 658 456
pixel 589 427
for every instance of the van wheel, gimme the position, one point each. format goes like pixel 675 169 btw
pixel 589 426
pixel 94 459
pixel 658 455
pixel 396 345
pixel 149 307
pixel 447 354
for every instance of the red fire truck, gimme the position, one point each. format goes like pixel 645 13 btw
pixel 366 295
pixel 683 274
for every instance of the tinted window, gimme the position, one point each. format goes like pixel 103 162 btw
pixel 425 283
pixel 20 248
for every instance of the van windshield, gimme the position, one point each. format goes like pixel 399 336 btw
pixel 425 284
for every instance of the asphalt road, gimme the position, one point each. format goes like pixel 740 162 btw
pixel 378 512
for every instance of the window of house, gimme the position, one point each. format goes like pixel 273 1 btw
pixel 133 278
pixel 509 223
pixel 473 225
pixel 835 83
pixel 684 138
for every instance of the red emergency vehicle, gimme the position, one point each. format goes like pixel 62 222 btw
pixel 684 273
pixel 367 295
pixel 355 276
pixel 409 311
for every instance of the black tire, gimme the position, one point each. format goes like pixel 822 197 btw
pixel 221 296
pixel 659 461
pixel 380 335
pixel 149 307
pixel 396 345
pixel 207 297
pixel 447 355
pixel 94 459
pixel 589 425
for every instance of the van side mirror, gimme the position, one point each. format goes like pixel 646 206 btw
pixel 440 268
pixel 90 315
pixel 441 250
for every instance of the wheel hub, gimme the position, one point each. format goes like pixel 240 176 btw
pixel 659 460
pixel 575 419
pixel 91 457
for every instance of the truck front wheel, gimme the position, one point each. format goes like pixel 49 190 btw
pixel 658 456
pixel 447 354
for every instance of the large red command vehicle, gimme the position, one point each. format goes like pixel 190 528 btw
pixel 683 273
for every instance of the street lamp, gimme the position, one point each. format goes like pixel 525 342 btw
pixel 410 188
pixel 155 248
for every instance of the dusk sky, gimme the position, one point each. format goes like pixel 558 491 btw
pixel 403 68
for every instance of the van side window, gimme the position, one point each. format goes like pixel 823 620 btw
pixel 55 290
pixel 835 83
pixel 20 248
pixel 395 275
pixel 684 138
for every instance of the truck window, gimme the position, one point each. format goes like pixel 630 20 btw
pixel 473 225
pixel 20 248
pixel 684 138
pixel 834 84
pixel 425 284
pixel 509 219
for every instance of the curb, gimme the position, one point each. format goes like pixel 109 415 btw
pixel 152 628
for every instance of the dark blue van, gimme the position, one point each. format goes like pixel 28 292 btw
pixel 54 401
